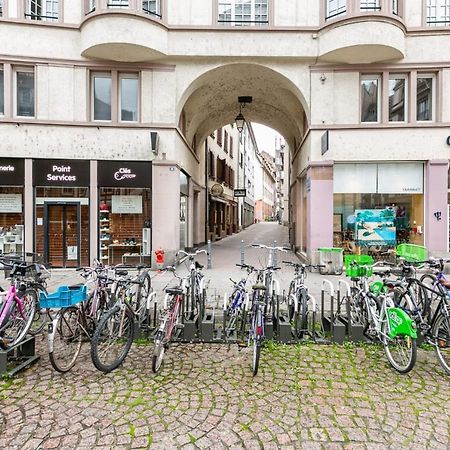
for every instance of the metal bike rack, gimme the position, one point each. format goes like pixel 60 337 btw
pixel 283 327
pixel 18 357
pixel 331 322
pixel 344 318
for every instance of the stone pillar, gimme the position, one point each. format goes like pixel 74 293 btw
pixel 93 213
pixel 166 208
pixel 29 207
pixel 319 187
pixel 436 216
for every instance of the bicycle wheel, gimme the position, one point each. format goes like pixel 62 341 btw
pixel 64 339
pixel 41 316
pixel 303 313
pixel 112 339
pixel 401 351
pixel 20 320
pixel 441 334
pixel 256 355
pixel 158 352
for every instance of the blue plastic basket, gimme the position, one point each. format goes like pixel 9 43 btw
pixel 63 297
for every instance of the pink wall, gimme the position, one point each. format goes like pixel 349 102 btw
pixel 320 207
pixel 436 189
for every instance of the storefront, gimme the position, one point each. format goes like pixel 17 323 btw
pixel 12 206
pixel 61 190
pixel 124 211
pixel 377 206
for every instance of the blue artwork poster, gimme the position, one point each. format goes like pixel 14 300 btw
pixel 375 227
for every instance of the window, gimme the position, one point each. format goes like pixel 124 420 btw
pixel 90 6
pixel 425 103
pixel 225 142
pixel 395 7
pixel 336 8
pixel 243 12
pixel 397 98
pixel 24 90
pixel 219 137
pixel 47 10
pixel 370 99
pixel 152 7
pixel 1 8
pixel 231 147
pixel 101 86
pixel 438 12
pixel 129 98
pixel 117 3
pixel 115 97
pixel 370 5
pixel 2 92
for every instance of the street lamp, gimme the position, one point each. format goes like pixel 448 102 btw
pixel 240 119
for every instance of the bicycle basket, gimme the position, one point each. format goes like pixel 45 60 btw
pixel 358 265
pixel 63 297
pixel 412 253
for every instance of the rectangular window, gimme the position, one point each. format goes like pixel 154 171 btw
pixel 219 137
pixel 395 7
pixel 1 8
pixel 101 85
pixel 2 93
pixel 24 87
pixel 90 6
pixel 117 3
pixel 425 103
pixel 152 7
pixel 397 98
pixel 231 147
pixel 370 5
pixel 370 99
pixel 47 10
pixel 243 12
pixel 225 142
pixel 129 98
pixel 336 8
pixel 438 13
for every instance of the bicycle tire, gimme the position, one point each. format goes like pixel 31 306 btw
pixel 65 340
pixel 303 313
pixel 41 316
pixel 256 355
pixel 158 352
pixel 395 348
pixel 17 326
pixel 432 298
pixel 116 325
pixel 441 335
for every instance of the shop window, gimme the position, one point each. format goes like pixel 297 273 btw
pixel 47 10
pixel 24 92
pixel 370 98
pixel 2 92
pixel 11 220
pixel 438 13
pixel 126 87
pixel 397 98
pixel 243 12
pixel 125 224
pixel 425 100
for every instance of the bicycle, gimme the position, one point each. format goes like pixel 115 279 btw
pixel 115 332
pixel 171 318
pixel 75 324
pixel 18 308
pixel 383 320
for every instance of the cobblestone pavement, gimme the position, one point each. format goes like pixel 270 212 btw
pixel 310 396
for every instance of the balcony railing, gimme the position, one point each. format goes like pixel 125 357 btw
pixel 339 8
pixel 149 7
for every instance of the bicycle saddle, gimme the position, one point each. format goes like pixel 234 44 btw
pixel 260 287
pixel 198 265
pixel 121 273
pixel 393 283
pixel 174 291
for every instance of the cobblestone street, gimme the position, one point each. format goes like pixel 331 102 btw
pixel 306 396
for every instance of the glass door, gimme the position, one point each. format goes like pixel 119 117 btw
pixel 62 234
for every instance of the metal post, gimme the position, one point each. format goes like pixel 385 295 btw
pixel 242 252
pixel 209 265
pixel 274 259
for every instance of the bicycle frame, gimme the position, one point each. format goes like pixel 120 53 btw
pixel 6 309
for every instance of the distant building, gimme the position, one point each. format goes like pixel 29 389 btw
pixel 265 188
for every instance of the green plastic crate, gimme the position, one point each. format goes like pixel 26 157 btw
pixel 412 253
pixel 362 268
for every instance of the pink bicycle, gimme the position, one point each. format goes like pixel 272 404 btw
pixel 18 306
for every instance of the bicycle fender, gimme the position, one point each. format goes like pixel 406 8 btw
pixel 400 324
pixel 51 333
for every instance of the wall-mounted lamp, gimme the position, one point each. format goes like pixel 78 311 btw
pixel 323 78
pixel 240 119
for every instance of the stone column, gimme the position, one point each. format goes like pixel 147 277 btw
pixel 319 187
pixel 93 212
pixel 29 206
pixel 435 199
pixel 166 208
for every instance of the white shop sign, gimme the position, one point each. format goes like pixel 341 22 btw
pixel 10 203
pixel 126 204
pixel 400 178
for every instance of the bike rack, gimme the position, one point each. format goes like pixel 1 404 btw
pixel 331 322
pixel 18 357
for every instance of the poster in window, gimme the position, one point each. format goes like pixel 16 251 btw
pixel 10 203
pixel 375 227
pixel 126 204
pixel 337 222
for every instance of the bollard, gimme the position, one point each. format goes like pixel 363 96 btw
pixel 274 257
pixel 209 265
pixel 242 252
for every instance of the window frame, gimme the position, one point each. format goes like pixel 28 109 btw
pixel 234 23
pixel 433 96
pixel 43 18
pixel 369 77
pixel 400 76
pixel 437 23
pixel 99 74
pixel 128 76
pixel 332 16
pixel 15 71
